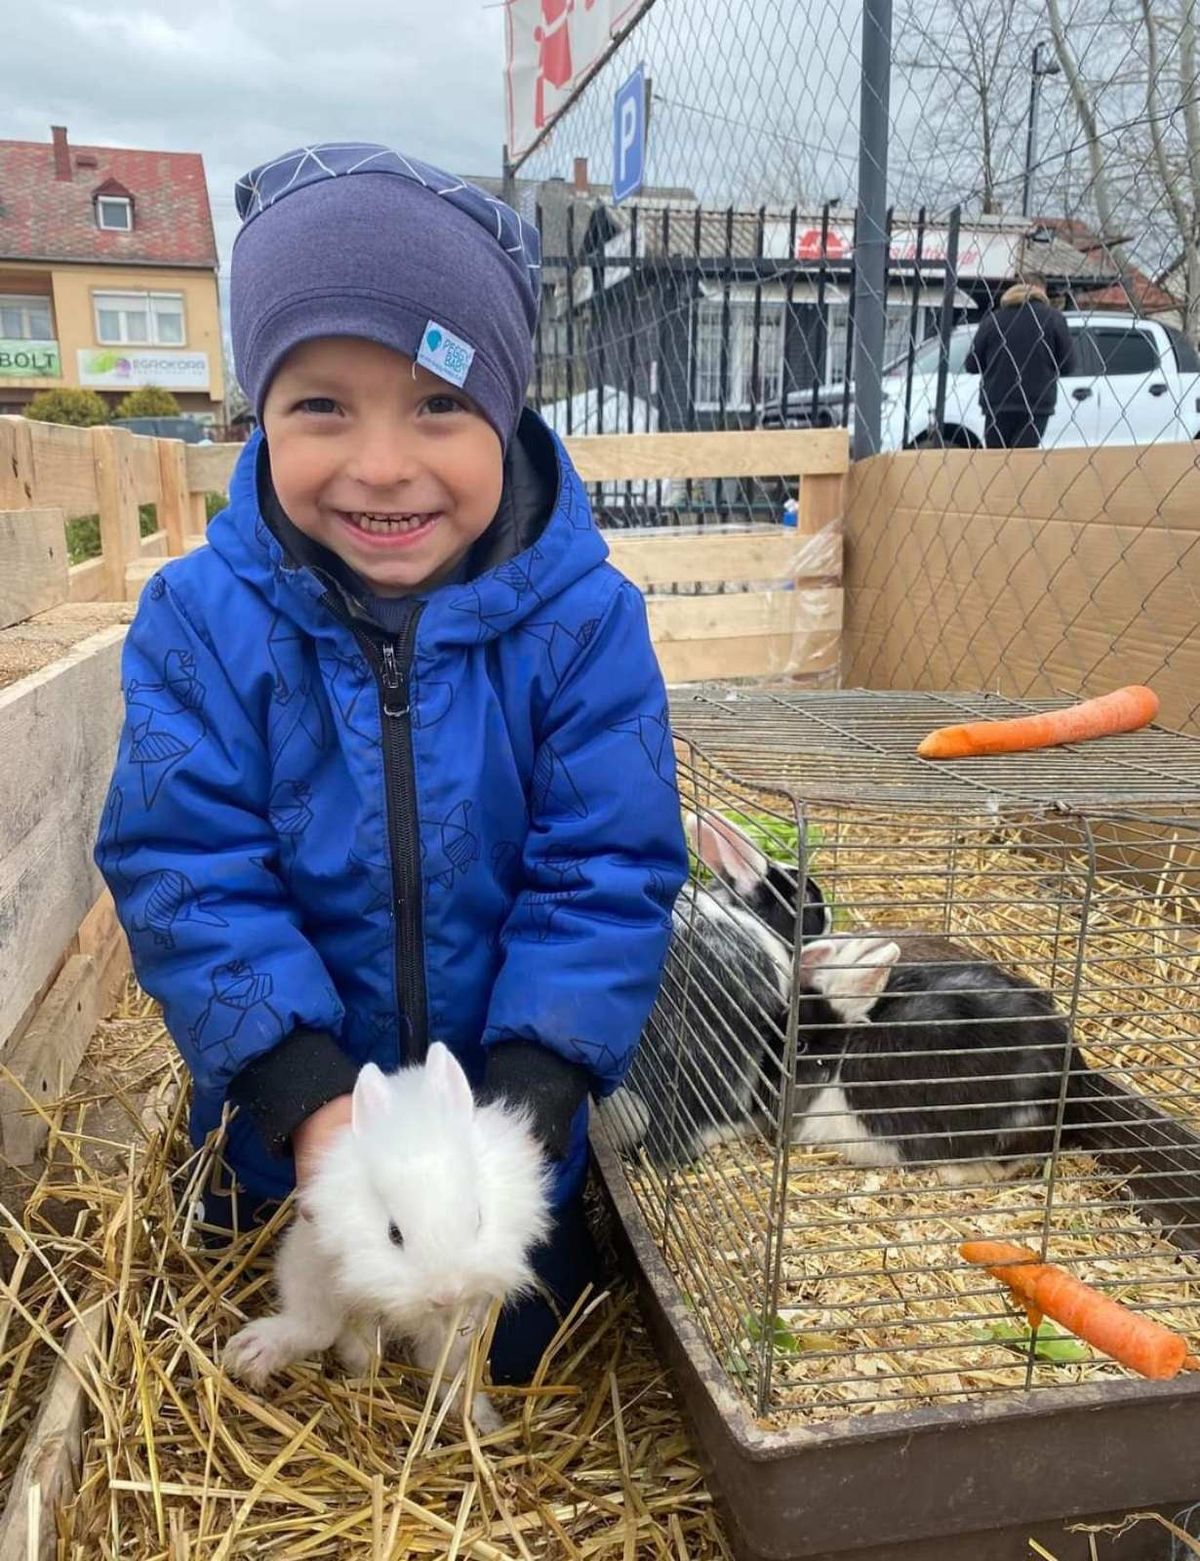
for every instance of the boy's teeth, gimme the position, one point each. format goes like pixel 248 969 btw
pixel 383 523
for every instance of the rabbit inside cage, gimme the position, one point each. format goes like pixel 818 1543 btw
pixel 887 1030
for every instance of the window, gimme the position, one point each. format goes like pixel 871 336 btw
pixel 895 339
pixel 741 391
pixel 1187 359
pixel 925 359
pixel 1121 350
pixel 25 318
pixel 139 319
pixel 115 212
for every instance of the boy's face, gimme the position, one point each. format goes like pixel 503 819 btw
pixel 388 466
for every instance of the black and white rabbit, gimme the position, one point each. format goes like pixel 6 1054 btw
pixel 913 1050
pixel 730 962
pixel 909 1048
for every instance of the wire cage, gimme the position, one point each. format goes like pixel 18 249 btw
pixel 909 1005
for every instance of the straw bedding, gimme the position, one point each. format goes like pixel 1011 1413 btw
pixel 180 1461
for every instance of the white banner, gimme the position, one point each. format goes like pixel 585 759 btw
pixel 982 252
pixel 552 47
pixel 130 368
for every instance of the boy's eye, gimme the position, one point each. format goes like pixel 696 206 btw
pixel 440 405
pixel 318 404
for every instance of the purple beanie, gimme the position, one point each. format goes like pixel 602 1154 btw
pixel 351 239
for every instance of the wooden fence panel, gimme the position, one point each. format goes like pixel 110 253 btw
pixel 33 551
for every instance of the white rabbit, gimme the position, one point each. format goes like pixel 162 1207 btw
pixel 424 1209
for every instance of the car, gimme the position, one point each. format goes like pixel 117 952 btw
pixel 1134 381
pixel 189 429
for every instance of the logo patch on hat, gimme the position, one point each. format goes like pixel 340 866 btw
pixel 445 354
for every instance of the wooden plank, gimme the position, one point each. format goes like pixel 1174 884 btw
pixel 210 466
pixel 143 453
pixel 174 504
pixel 120 536
pixel 136 575
pixel 802 657
pixel 39 1066
pixel 667 555
pixel 103 938
pixel 822 501
pixel 33 545
pixel 191 543
pixel 48 1471
pixel 64 472
pixel 155 546
pixel 61 724
pixel 86 581
pixel 768 453
pixel 742 613
pixel 16 464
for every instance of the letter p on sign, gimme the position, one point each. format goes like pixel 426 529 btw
pixel 629 136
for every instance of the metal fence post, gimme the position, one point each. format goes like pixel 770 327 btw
pixel 870 250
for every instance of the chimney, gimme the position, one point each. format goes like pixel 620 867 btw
pixel 62 152
pixel 581 175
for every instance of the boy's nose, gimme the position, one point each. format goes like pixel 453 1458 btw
pixel 382 462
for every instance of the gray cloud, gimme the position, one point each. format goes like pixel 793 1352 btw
pixel 242 82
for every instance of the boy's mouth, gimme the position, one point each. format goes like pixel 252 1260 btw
pixel 385 527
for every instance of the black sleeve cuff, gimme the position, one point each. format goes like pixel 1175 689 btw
pixel 533 1076
pixel 281 1088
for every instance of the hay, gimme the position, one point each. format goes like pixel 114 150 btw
pixel 875 1309
pixel 180 1461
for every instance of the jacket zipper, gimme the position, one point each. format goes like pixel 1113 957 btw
pixel 391 661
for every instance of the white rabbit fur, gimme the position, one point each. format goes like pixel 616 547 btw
pixel 464 1185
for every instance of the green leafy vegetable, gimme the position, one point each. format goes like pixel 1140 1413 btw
pixel 1060 1349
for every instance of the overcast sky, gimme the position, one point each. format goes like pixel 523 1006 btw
pixel 240 82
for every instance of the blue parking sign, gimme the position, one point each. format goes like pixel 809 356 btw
pixel 629 136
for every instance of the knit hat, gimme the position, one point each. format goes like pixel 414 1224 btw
pixel 352 239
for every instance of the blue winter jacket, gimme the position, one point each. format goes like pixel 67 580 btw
pixel 466 829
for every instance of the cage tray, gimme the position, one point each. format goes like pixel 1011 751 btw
pixel 971 1482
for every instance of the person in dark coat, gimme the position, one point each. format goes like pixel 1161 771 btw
pixel 1020 350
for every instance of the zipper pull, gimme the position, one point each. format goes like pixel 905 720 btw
pixel 395 699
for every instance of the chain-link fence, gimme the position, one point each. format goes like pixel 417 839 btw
pixel 987 237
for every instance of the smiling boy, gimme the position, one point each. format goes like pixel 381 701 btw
pixel 396 764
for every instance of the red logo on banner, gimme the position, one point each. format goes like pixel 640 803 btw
pixel 808 245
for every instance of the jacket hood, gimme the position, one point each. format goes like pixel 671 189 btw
pixel 542 540
pixel 1023 293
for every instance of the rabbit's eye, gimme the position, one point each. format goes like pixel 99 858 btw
pixel 395 1235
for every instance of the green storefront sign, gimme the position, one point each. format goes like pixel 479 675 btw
pixel 29 360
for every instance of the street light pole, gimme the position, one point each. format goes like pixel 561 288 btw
pixel 1051 68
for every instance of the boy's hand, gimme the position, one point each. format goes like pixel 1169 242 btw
pixel 312 1138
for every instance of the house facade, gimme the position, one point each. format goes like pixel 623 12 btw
pixel 700 318
pixel 108 274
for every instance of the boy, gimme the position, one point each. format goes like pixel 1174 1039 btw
pixel 396 763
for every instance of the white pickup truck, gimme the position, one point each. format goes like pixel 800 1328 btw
pixel 1134 381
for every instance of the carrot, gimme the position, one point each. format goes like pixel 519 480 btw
pixel 1127 710
pixel 1045 1290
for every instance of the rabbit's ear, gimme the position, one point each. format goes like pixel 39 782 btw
pixel 726 851
pixel 850 973
pixel 371 1102
pixel 450 1084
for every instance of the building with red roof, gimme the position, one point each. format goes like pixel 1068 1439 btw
pixel 108 273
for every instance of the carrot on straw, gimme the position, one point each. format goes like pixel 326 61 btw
pixel 1126 710
pixel 1045 1290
